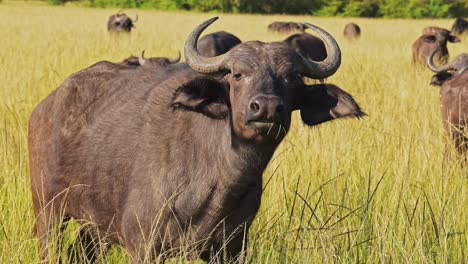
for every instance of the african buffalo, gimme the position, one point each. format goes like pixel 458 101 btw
pixel 151 62
pixel 170 161
pixel 453 79
pixel 120 22
pixel 352 31
pixel 308 46
pixel 433 38
pixel 217 43
pixel 286 27
pixel 460 26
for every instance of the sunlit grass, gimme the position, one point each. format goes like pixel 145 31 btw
pixel 384 189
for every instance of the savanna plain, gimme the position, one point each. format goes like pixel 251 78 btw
pixel 385 189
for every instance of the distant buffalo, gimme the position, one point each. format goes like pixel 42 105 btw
pixel 151 62
pixel 352 31
pixel 433 38
pixel 120 22
pixel 460 26
pixel 286 27
pixel 453 79
pixel 307 45
pixel 217 43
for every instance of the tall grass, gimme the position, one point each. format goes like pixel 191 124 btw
pixel 384 189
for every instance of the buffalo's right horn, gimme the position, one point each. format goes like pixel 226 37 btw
pixel 326 68
pixel 198 62
pixel 142 59
pixel 443 68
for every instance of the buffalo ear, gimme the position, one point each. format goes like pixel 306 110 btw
pixel 202 95
pixel 429 38
pixel 324 102
pixel 439 78
pixel 453 39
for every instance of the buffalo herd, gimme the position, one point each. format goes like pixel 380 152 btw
pixel 159 156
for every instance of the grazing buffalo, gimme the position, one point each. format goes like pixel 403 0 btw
pixel 217 43
pixel 151 62
pixel 460 26
pixel 433 38
pixel 352 31
pixel 120 22
pixel 453 79
pixel 286 27
pixel 170 162
pixel 308 46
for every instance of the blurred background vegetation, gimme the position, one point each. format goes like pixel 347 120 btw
pixel 347 8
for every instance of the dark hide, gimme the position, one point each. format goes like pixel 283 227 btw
pixel 460 26
pixel 308 45
pixel 352 31
pixel 217 43
pixel 286 27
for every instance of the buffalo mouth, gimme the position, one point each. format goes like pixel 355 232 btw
pixel 268 127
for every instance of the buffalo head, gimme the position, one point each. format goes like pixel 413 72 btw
pixel 120 22
pixel 432 39
pixel 447 71
pixel 261 85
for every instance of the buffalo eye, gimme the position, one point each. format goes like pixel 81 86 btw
pixel 117 23
pixel 238 76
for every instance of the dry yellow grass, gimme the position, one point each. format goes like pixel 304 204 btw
pixel 384 189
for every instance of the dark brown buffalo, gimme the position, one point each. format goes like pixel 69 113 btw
pixel 352 31
pixel 286 27
pixel 453 79
pixel 217 43
pixel 170 161
pixel 151 62
pixel 460 26
pixel 308 46
pixel 432 39
pixel 120 22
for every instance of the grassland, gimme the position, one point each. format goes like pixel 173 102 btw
pixel 385 189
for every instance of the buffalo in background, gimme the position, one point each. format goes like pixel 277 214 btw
pixel 151 62
pixel 308 46
pixel 217 43
pixel 120 22
pixel 460 26
pixel 453 79
pixel 352 31
pixel 286 27
pixel 433 39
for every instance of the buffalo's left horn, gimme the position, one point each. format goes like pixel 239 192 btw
pixel 430 63
pixel 198 62
pixel 142 59
pixel 136 18
pixel 176 59
pixel 326 68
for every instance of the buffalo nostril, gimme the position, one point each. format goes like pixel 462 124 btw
pixel 280 108
pixel 254 106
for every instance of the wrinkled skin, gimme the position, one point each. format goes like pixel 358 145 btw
pixel 286 27
pixel 352 31
pixel 217 43
pixel 453 81
pixel 433 38
pixel 120 22
pixel 160 160
pixel 460 26
pixel 308 45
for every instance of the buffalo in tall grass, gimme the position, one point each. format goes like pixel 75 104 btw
pixel 171 160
